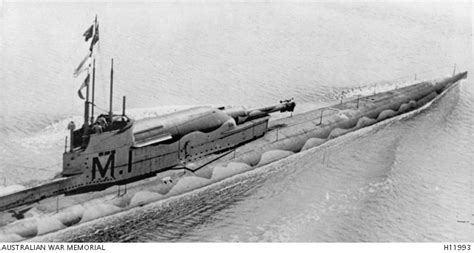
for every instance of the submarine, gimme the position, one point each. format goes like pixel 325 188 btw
pixel 173 154
pixel 115 150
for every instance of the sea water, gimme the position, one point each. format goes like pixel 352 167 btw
pixel 410 180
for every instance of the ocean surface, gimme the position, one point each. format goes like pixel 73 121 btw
pixel 408 180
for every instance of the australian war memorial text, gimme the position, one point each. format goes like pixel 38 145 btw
pixel 51 247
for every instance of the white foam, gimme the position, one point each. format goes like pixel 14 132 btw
pixel 186 184
pixel 70 215
pixel 122 201
pixel 232 168
pixel 368 90
pixel 312 142
pixel 204 172
pixel 364 121
pixel 10 238
pixel 336 132
pixel 272 156
pixel 25 228
pixel 48 224
pixel 144 197
pixel 98 210
pixel 386 114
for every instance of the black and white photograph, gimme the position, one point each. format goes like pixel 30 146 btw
pixel 236 122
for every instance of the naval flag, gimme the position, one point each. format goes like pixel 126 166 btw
pixel 95 38
pixel 84 84
pixel 82 66
pixel 88 33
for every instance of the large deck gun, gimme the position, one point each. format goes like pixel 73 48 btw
pixel 241 115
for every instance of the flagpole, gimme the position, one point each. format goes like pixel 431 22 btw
pixel 93 91
pixel 93 70
pixel 94 33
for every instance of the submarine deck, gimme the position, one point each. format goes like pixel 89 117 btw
pixel 315 120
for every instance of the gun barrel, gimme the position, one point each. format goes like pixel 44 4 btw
pixel 242 115
pixel 283 106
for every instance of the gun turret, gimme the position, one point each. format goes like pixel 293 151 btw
pixel 241 115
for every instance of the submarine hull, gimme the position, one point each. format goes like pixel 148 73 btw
pixel 289 135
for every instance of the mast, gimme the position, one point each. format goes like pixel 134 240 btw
pixel 123 105
pixel 86 107
pixel 111 87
